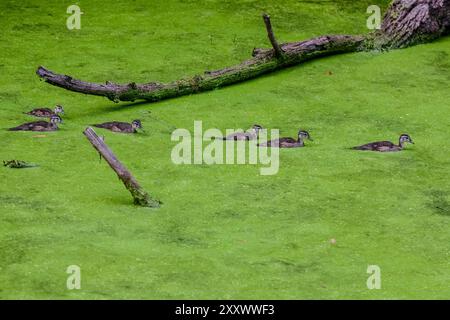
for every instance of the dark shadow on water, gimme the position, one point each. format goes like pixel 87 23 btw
pixel 113 107
pixel 438 202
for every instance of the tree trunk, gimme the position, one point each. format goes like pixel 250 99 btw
pixel 406 23
pixel 140 197
pixel 410 22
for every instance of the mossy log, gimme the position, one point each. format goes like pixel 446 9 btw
pixel 406 23
pixel 140 197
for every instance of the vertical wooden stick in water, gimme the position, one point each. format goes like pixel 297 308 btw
pixel 273 41
pixel 140 197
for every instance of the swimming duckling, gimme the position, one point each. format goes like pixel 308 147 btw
pixel 250 134
pixel 123 127
pixel 386 146
pixel 39 125
pixel 288 142
pixel 46 112
pixel 18 164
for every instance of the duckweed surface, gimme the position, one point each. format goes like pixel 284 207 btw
pixel 223 231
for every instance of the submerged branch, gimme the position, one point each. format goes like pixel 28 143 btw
pixel 140 197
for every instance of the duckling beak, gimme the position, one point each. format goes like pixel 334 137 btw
pixel 310 139
pixel 412 142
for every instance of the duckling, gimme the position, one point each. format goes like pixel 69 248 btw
pixel 123 127
pixel 251 134
pixel 46 112
pixel 18 164
pixel 39 125
pixel 288 142
pixel 386 146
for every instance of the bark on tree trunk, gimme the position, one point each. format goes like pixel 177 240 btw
pixel 140 197
pixel 406 23
pixel 410 22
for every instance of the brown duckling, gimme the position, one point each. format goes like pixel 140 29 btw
pixel 52 125
pixel 386 146
pixel 251 134
pixel 123 127
pixel 46 112
pixel 288 142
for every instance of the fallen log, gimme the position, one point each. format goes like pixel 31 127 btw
pixel 140 197
pixel 406 23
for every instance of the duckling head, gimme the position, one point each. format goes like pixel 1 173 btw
pixel 55 119
pixel 59 109
pixel 302 135
pixel 405 138
pixel 136 124
pixel 256 128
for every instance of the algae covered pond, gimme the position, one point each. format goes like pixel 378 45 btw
pixel 223 232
